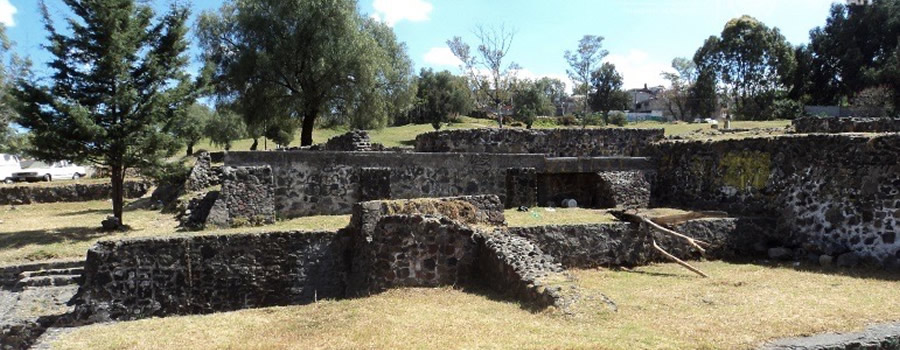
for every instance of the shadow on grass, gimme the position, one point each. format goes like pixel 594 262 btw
pixel 86 212
pixel 21 239
pixel 408 142
pixel 140 204
pixel 861 271
pixel 658 274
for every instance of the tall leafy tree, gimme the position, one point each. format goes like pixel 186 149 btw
pixel 117 82
pixel 303 59
pixel 555 90
pixel 494 89
pixel 191 124
pixel 677 97
pixel 441 95
pixel 854 50
pixel 584 62
pixel 607 94
pixel 752 61
pixel 703 98
pixel 224 127
pixel 12 67
pixel 530 100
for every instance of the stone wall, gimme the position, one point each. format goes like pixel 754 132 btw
pixel 624 189
pixel 15 195
pixel 352 141
pixel 553 142
pixel 131 279
pixel 247 197
pixel 838 125
pixel 414 251
pixel 830 193
pixel 203 174
pixel 627 244
pixel 517 268
pixel 484 210
pixel 329 183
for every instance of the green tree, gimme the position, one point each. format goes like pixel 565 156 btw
pixel 494 89
pixel 583 63
pixel 12 68
pixel 754 63
pixel 607 93
pixel 703 98
pixel 555 90
pixel 441 95
pixel 225 127
pixel 853 50
pixel 529 101
pixel 677 97
pixel 303 59
pixel 118 80
pixel 190 125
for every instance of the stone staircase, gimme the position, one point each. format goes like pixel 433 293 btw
pixel 44 274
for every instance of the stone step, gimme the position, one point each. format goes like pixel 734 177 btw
pixel 52 272
pixel 44 281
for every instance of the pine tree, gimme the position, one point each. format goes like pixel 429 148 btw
pixel 117 83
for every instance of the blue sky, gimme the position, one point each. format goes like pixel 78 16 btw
pixel 642 36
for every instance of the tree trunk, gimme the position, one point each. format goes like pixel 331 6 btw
pixel 500 115
pixel 309 122
pixel 117 174
pixel 190 149
pixel 255 144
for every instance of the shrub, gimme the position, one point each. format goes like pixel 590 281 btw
pixel 787 109
pixel 595 119
pixel 568 120
pixel 617 118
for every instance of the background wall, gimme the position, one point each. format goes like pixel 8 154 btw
pixel 553 142
pixel 830 193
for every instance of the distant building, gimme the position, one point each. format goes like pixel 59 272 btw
pixel 648 101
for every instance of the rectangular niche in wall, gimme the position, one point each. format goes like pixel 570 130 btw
pixel 582 187
pixel 374 183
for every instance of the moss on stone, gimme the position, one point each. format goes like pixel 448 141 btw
pixel 746 169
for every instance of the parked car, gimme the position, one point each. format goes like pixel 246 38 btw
pixel 38 171
pixel 9 164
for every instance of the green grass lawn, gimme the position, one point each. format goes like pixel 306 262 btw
pixel 659 307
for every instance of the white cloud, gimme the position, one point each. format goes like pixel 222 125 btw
pixel 392 11
pixel 7 11
pixel 638 68
pixel 441 56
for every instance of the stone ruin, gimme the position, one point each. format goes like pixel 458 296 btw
pixel 433 216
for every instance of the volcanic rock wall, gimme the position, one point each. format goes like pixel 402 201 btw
pixel 831 193
pixel 553 142
pixel 839 125
pixel 15 195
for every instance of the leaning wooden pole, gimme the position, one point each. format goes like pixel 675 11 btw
pixel 694 242
pixel 679 261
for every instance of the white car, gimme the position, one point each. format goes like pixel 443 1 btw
pixel 9 164
pixel 38 171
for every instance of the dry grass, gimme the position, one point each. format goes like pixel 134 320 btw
pixel 66 230
pixel 572 216
pixel 660 307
